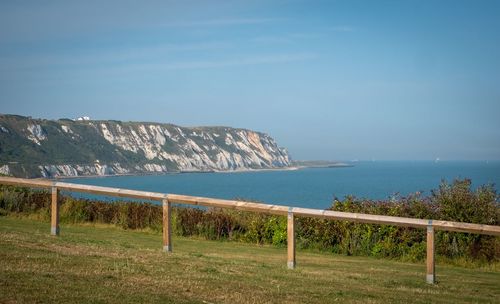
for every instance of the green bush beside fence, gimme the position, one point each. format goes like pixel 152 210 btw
pixel 454 201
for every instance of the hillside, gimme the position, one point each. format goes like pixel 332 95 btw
pixel 104 264
pixel 50 148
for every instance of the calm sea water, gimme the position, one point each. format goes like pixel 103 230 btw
pixel 314 187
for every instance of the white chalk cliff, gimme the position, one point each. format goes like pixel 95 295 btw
pixel 113 147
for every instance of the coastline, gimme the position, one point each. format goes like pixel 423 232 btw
pixel 246 170
pixel 339 165
pixel 291 168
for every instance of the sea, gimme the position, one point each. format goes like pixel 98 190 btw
pixel 311 187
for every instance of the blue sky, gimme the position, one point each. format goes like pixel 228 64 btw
pixel 336 80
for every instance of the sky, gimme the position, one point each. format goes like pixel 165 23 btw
pixel 330 80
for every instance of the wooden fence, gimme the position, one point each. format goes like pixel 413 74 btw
pixel 291 212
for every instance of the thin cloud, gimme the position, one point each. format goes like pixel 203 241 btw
pixel 282 58
pixel 286 38
pixel 272 39
pixel 342 28
pixel 124 70
pixel 97 56
pixel 299 37
pixel 221 22
pixel 215 64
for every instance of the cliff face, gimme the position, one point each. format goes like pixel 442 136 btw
pixel 46 148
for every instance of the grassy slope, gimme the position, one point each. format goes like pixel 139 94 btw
pixel 107 264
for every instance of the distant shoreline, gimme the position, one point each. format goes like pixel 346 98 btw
pixel 339 165
pixel 289 168
pixel 320 164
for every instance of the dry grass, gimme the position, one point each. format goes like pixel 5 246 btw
pixel 104 264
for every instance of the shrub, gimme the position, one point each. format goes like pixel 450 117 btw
pixel 454 202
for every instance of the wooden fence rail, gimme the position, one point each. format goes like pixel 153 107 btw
pixel 291 212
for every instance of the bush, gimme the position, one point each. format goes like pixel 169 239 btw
pixel 454 202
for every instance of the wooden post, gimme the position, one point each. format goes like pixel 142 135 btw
pixel 431 276
pixel 54 223
pixel 291 239
pixel 167 226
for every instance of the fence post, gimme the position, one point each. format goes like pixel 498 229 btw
pixel 167 226
pixel 54 222
pixel 431 275
pixel 291 239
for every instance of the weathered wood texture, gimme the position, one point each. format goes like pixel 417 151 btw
pixel 290 212
pixel 230 204
pixel 154 196
pixel 431 276
pixel 54 212
pixel 34 183
pixel 256 207
pixel 167 226
pixel 291 240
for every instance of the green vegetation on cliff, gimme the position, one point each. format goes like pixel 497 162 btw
pixel 38 147
pixel 24 155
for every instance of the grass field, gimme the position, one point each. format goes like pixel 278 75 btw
pixel 105 264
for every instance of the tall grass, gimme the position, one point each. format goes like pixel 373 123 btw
pixel 455 201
